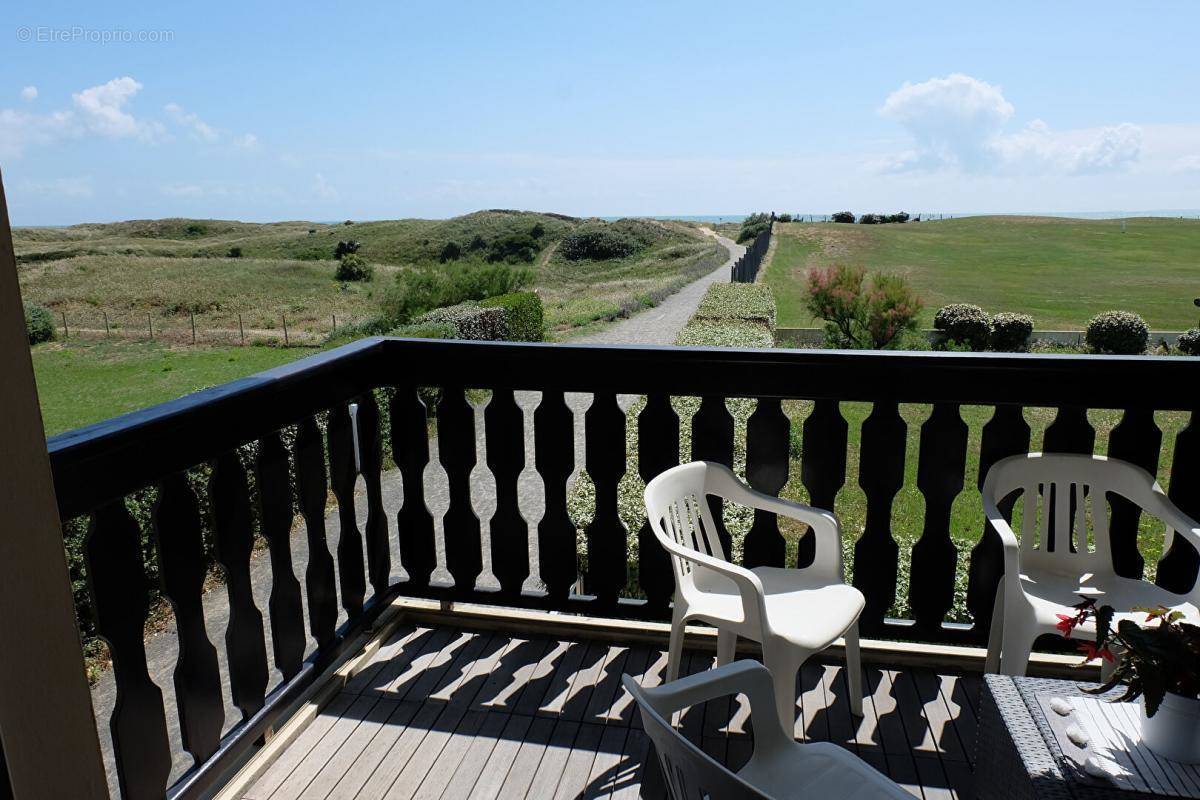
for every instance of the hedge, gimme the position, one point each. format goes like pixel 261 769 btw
pixel 1118 333
pixel 1189 342
pixel 470 321
pixel 39 323
pixel 964 324
pixel 1011 332
pixel 748 302
pixel 524 317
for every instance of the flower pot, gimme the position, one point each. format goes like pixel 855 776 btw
pixel 1174 732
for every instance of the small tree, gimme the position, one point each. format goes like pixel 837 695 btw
pixel 235 252
pixel 354 267
pixel 843 216
pixel 343 248
pixel 859 312
pixel 450 252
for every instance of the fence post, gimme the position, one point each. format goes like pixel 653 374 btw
pixel 241 330
pixel 107 334
pixel 192 314
pixel 334 330
pixel 66 332
pixel 150 325
pixel 285 336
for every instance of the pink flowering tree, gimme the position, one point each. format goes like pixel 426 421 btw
pixel 859 311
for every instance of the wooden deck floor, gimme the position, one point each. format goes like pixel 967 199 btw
pixel 457 714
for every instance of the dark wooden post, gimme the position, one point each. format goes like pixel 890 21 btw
pixel 45 707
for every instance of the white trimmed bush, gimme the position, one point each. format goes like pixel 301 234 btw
pixel 1117 333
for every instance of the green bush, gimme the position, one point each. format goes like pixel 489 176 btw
pixel 843 216
pixel 235 252
pixel 345 248
pixel 862 313
pixel 450 252
pixel 1117 332
pixel 470 321
pixel 785 217
pixel 1189 342
pixel 1011 332
pixel 597 242
pixel 524 316
pixel 419 290
pixel 425 330
pixel 712 333
pixel 39 323
pixel 354 267
pixel 513 248
pixel 963 323
pixel 748 302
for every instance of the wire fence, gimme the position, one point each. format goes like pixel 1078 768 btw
pixel 236 329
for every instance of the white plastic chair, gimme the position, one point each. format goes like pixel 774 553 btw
pixel 779 768
pixel 1041 581
pixel 793 613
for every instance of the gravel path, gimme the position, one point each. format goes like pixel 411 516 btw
pixel 659 325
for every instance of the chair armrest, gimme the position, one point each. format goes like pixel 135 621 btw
pixel 749 585
pixel 1012 547
pixel 824 525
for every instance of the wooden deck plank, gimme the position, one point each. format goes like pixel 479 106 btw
pixel 436 714
pixel 482 755
pixel 333 769
pixel 515 783
pixel 279 771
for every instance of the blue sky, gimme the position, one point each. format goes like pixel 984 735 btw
pixel 264 111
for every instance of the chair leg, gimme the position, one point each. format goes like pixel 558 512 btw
pixel 784 662
pixel 675 648
pixel 726 645
pixel 854 670
pixel 1017 643
pixel 996 634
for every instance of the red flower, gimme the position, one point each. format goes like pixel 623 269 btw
pixel 1090 652
pixel 1066 624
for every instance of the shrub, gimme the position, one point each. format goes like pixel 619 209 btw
pixel 538 230
pixel 902 217
pixel 747 302
pixel 785 217
pixel 870 219
pixel 513 248
pixel 843 216
pixel 1011 332
pixel 524 317
pixel 1189 342
pixel 450 252
pixel 425 330
pixel 963 323
pixel 345 248
pixel 470 321
pixel 597 242
pixel 235 252
pixel 417 291
pixel 354 267
pixel 1117 332
pixel 858 312
pixel 476 244
pixel 39 323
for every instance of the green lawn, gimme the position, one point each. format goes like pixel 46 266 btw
pixel 1060 271
pixel 84 383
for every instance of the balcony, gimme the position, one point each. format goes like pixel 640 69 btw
pixel 447 594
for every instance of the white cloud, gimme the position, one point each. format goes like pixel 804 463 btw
pixel 29 94
pixel 102 110
pixel 59 187
pixel 20 129
pixel 323 189
pixel 957 122
pixel 1188 164
pixel 200 129
pixel 247 141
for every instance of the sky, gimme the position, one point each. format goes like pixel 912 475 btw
pixel 273 111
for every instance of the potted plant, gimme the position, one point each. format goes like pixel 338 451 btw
pixel 1158 661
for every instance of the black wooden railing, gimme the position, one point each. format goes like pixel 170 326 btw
pixel 745 269
pixel 95 468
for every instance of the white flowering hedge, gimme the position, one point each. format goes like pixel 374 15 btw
pixel 726 330
pixel 470 321
pixel 738 302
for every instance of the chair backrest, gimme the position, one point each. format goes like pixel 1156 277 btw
pixel 689 772
pixel 677 506
pixel 1064 497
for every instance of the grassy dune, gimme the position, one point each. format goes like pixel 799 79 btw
pixel 1060 271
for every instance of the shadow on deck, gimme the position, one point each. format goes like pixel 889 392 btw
pixel 455 714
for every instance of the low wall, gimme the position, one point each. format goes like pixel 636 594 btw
pixel 807 337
